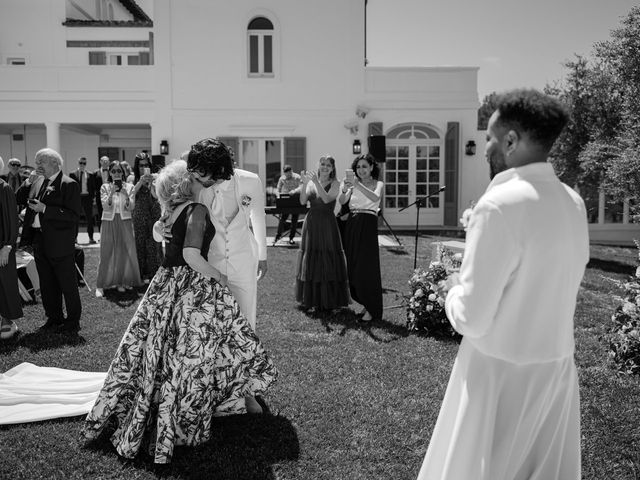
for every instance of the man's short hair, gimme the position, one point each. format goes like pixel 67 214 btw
pixel 533 113
pixel 211 157
pixel 287 168
pixel 14 162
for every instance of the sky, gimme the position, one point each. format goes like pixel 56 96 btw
pixel 516 43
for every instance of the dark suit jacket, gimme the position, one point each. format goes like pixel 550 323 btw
pixel 59 222
pixel 91 182
pixel 97 182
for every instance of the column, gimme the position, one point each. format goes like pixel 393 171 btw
pixel 601 201
pixel 53 135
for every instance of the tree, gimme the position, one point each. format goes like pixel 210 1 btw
pixel 486 109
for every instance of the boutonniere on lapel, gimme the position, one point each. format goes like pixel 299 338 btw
pixel 246 200
pixel 50 189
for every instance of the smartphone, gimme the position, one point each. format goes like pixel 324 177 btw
pixel 118 184
pixel 146 171
pixel 350 175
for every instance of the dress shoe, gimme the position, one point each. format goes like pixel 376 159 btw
pixel 69 328
pixel 291 242
pixel 92 241
pixel 51 325
pixel 8 330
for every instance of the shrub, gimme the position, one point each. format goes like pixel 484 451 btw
pixel 624 338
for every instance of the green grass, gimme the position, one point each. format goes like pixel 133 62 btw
pixel 353 401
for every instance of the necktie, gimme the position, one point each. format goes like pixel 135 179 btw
pixel 43 189
pixel 217 209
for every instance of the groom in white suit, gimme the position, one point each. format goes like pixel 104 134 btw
pixel 236 203
pixel 511 409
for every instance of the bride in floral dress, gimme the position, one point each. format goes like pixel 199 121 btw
pixel 188 354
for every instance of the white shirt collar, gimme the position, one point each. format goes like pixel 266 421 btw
pixel 536 170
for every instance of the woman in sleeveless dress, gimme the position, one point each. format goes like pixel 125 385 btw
pixel 363 194
pixel 321 278
pixel 188 354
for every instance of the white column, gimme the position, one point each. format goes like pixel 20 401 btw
pixel 53 135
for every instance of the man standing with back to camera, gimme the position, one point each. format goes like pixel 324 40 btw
pixel 512 407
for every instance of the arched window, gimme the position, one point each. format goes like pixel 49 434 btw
pixel 260 33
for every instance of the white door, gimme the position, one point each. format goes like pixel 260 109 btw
pixel 413 171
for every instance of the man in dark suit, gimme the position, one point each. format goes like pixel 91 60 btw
pixel 87 183
pixel 13 178
pixel 101 176
pixel 51 223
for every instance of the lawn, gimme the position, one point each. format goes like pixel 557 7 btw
pixel 353 400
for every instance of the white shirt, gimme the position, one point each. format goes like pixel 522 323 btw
pixel 526 251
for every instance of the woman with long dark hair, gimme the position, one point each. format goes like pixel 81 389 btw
pixel 363 194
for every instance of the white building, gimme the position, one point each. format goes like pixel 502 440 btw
pixel 283 81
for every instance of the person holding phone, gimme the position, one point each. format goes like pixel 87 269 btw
pixel 145 213
pixel 362 191
pixel 118 265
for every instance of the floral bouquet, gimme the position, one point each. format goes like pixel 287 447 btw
pixel 624 338
pixel 425 306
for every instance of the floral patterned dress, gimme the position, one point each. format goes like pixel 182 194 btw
pixel 188 355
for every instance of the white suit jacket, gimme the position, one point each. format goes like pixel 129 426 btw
pixel 237 247
pixel 526 252
pixel 118 202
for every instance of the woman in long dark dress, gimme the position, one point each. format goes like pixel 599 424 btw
pixel 145 213
pixel 363 194
pixel 321 278
pixel 10 306
pixel 188 354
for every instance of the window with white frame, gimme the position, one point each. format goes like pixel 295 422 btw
pixel 260 40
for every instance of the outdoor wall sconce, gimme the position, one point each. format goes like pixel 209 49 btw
pixel 470 148
pixel 164 147
pixel 356 148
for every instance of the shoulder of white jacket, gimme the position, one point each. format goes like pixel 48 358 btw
pixel 238 172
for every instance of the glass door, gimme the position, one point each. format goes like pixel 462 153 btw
pixel 413 170
pixel 263 156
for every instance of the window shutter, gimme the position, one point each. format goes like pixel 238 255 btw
pixel 375 128
pixel 451 165
pixel 97 58
pixel 144 58
pixel 295 153
pixel 232 143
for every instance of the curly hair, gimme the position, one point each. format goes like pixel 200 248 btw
pixel 173 187
pixel 211 157
pixel 375 170
pixel 136 164
pixel 332 161
pixel 533 113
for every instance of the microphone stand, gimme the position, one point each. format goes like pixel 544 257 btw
pixel 418 204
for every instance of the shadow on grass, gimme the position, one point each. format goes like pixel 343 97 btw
pixel 38 341
pixel 124 299
pixel 611 266
pixel 241 447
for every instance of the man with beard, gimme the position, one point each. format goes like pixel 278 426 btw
pixel 511 409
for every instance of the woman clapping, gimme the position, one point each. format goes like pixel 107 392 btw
pixel 321 279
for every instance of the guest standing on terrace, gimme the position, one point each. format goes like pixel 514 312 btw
pixel 512 409
pixel 321 279
pixel 363 192
pixel 289 183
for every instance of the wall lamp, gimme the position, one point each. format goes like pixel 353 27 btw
pixel 164 147
pixel 356 147
pixel 470 148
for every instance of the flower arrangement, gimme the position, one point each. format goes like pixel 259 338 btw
pixel 425 304
pixel 624 338
pixel 246 200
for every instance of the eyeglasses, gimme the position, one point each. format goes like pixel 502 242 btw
pixel 82 163
pixel 116 170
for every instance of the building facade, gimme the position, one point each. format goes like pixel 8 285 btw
pixel 282 82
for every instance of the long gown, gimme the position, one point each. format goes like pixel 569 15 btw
pixel 321 278
pixel 187 355
pixel 10 306
pixel 145 214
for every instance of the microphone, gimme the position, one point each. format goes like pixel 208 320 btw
pixel 442 189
